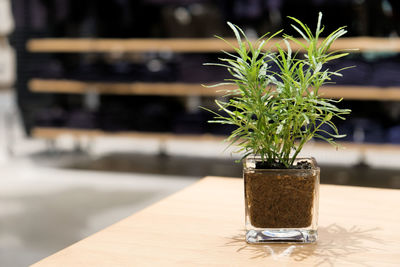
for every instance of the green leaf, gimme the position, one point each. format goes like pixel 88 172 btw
pixel 301 33
pixel 237 35
pixel 336 56
pixel 318 30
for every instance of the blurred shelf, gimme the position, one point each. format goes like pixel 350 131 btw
pixel 184 89
pixel 362 147
pixel 135 88
pixel 78 45
pixel 188 45
pixel 52 133
pixel 361 92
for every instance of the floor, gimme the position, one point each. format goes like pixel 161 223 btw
pixel 53 196
pixel 43 209
pixel 46 205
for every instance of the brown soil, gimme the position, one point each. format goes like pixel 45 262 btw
pixel 279 200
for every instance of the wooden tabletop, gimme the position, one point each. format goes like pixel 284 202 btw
pixel 203 225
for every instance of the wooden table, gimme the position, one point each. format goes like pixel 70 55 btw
pixel 203 225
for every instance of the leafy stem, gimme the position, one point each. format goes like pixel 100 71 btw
pixel 277 107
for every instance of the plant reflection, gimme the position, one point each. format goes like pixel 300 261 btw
pixel 334 243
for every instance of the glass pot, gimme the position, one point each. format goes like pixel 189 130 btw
pixel 281 205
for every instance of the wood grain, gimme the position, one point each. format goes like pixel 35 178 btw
pixel 203 226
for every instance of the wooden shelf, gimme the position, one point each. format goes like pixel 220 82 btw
pixel 184 89
pixel 136 88
pixel 53 133
pixel 181 45
pixel 361 93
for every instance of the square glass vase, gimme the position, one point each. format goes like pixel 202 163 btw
pixel 281 205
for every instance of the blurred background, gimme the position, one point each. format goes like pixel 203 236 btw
pixel 100 117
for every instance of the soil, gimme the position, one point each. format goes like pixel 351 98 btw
pixel 280 199
pixel 305 165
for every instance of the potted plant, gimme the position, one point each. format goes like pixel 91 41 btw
pixel 276 109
